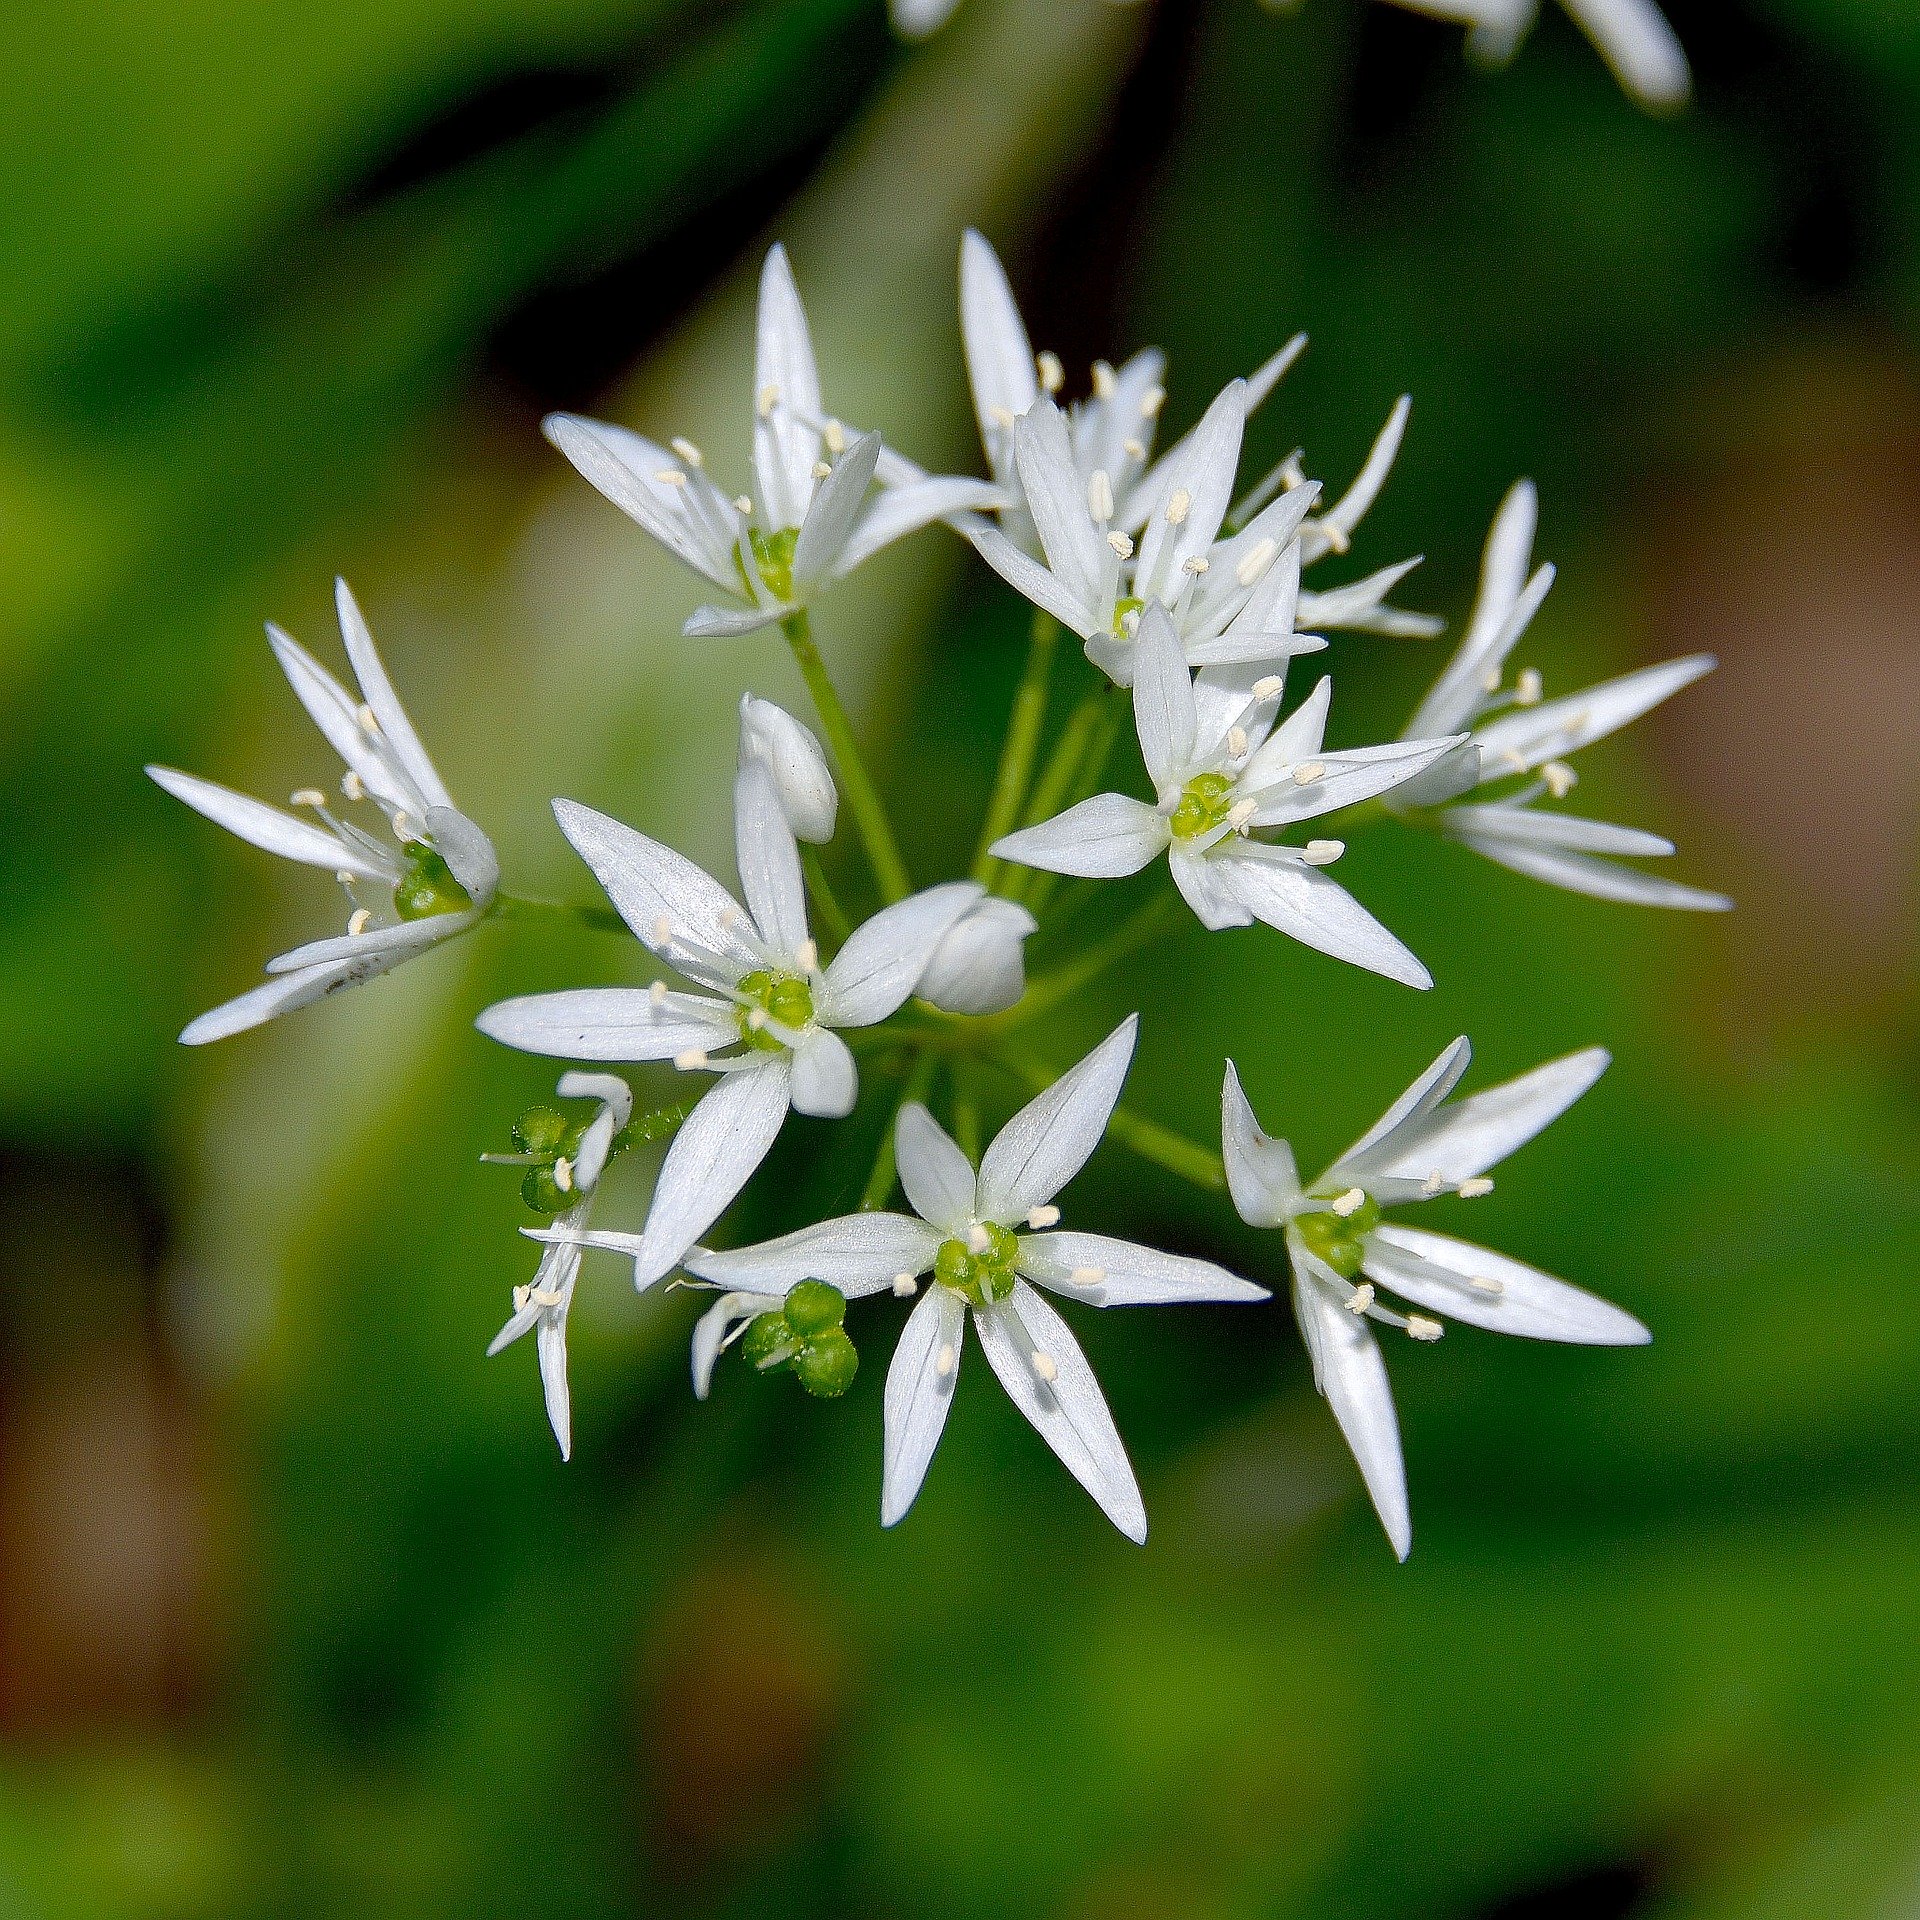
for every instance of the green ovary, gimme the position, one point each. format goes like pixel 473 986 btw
pixel 428 886
pixel 773 556
pixel 1122 609
pixel 1340 1240
pixel 981 1278
pixel 1204 805
pixel 782 997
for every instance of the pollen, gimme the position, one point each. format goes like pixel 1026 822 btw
pixel 1336 535
pixel 671 477
pixel 743 502
pixel 657 993
pixel 1002 417
pixel 807 957
pixel 1254 562
pixel 1043 1365
pixel 835 435
pixel 1237 742
pixel 689 453
pixel 943 1361
pixel 757 1019
pixel 345 878
pixel 1360 1299
pixel 1087 1276
pixel 1105 384
pixel 662 931
pixel 1526 690
pixel 1269 688
pixel 1419 1327
pixel 1474 1188
pixel 1240 815
pixel 978 1238
pixel 1195 563
pixel 359 921
pixel 1151 402
pixel 521 1295
pixel 1100 495
pixel 1040 1218
pixel 1133 449
pixel 306 797
pixel 1292 473
pixel 691 1060
pixel 1482 1283
pixel 1515 759
pixel 1433 1183
pixel 1306 775
pixel 767 399
pixel 1053 376
pixel 1120 544
pixel 821 469
pixel 1350 1202
pixel 905 1285
pixel 1490 680
pixel 403 827
pixel 1322 853
pixel 1560 778
pixel 352 786
pixel 369 721
pixel 563 1174
pixel 1179 505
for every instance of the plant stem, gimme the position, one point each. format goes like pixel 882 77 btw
pixel 1148 1138
pixel 1023 740
pixel 1146 924
pixel 879 1188
pixel 826 902
pixel 876 832
pixel 513 906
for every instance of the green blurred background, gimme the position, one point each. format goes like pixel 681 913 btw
pixel 299 1612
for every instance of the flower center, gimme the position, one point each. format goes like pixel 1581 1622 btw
pixel 1204 804
pixel 1340 1239
pixel 1123 610
pixel 806 1336
pixel 428 886
pixel 773 555
pixel 781 997
pixel 979 1268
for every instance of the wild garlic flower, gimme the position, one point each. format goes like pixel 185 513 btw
pixel 1221 770
pixel 988 1241
pixel 1343 1252
pixel 810 521
pixel 765 1024
pixel 575 1166
pixel 431 875
pixel 801 778
pixel 980 964
pixel 1515 734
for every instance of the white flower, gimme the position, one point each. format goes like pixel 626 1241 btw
pixel 980 964
pixel 810 521
pixel 1515 733
pixel 435 872
pixel 1341 1251
pixel 544 1301
pixel 1221 769
pixel 769 1004
pixel 988 1242
pixel 794 757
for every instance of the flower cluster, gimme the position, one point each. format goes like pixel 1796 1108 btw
pixel 1186 592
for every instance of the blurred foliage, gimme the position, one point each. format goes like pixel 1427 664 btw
pixel 288 290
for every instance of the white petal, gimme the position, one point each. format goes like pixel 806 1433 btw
pixel 711 1329
pixel 1131 1275
pixel 551 1342
pixel 1000 365
pixel 1437 1271
pixel 608 1088
pixel 610 1023
pixel 909 506
pixel 284 994
pixel 1348 1369
pixel 917 18
pixel 396 943
pixel 795 759
pixel 467 851
pixel 267 827
pixel 649 883
pixel 1204 886
pixel 860 1253
pixel 934 1174
pixel 595 1144
pixel 1302 902
pixel 1584 873
pixel 1529 736
pixel 785 445
pixel 712 1157
pixel 980 964
pixel 1347 778
pixel 1050 1139
pixel 1466 1138
pixel 1164 715
pixel 377 691
pixel 728 623
pixel 1056 497
pixel 825 1080
pixel 335 712
pixel 1261 1174
pixel 1637 43
pixel 1536 827
pixel 1202 467
pixel 1299 736
pixel 875 971
pixel 769 861
pixel 1068 1411
pixel 918 1396
pixel 1026 576
pixel 1385 1142
pixel 835 507
pixel 1361 606
pixel 1347 513
pixel 1101 838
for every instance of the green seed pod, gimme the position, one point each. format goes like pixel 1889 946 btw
pixel 428 887
pixel 539 1130
pixel 827 1363
pixel 541 1191
pixel 813 1307
pixel 768 1335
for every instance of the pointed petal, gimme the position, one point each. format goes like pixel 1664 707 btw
pixel 769 861
pixel 906 508
pixel 608 1088
pixel 1164 715
pixel 1300 735
pixel 1027 577
pixel 1051 1138
pixel 835 507
pixel 377 691
pixel 1345 779
pixel 1434 1270
pixel 934 1174
pixel 551 1342
pixel 1302 902
pixel 610 1023
pixel 711 1329
pixel 860 1253
pixel 728 623
pixel 1535 827
pixel 395 943
pixel 1101 838
pixel 825 1080
pixel 1130 1275
pixel 333 710
pixel 267 827
pixel 1204 886
pixel 876 970
pixel 1067 1410
pixel 1642 49
pixel 284 994
pixel 798 764
pixel 1347 513
pixel 1057 499
pixel 786 386
pixel 919 1393
pixel 980 964
pixel 1261 1174
pixel 1202 468
pixel 1465 1139
pixel 1383 1144
pixel 1000 364
pixel 1529 736
pixel 1584 873
pixel 467 851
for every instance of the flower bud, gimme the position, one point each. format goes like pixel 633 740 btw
pixel 979 965
pixel 825 1364
pixel 792 755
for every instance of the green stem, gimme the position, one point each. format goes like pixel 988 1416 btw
pixel 1023 741
pixel 966 1112
pixel 879 1188
pixel 876 832
pixel 1148 1138
pixel 826 902
pixel 513 906
pixel 1146 924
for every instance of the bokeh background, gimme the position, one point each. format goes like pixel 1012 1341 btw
pixel 299 1612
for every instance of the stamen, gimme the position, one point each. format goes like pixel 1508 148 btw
pixel 692 1060
pixel 1360 1299
pixel 345 878
pixel 1100 495
pixel 1433 1183
pixel 1560 778
pixel 1240 814
pixel 1526 690
pixel 1481 1284
pixel 1305 776
pixel 657 993
pixel 1196 563
pixel 757 1019
pixel 1002 417
pixel 835 435
pixel 306 797
pixel 563 1174
pixel 769 398
pixel 369 722
pixel 1350 1202
pixel 1087 1276
pixel 663 932
pixel 521 1295
pixel 403 827
pixel 1133 449
pixel 1255 561
pixel 1104 382
pixel 352 786
pixel 1515 759
pixel 671 477
pixel 1336 535
pixel 1419 1327
pixel 1237 742
pixel 1053 376
pixel 1179 505
pixel 1322 853
pixel 904 1284
pixel 807 957
pixel 360 920
pixel 1120 544
pixel 1269 688
pixel 821 469
pixel 542 1297
pixel 743 503
pixel 1474 1188
pixel 1490 680
pixel 1292 473
pixel 688 452
pixel 1041 1218
pixel 978 1238
pixel 944 1359
pixel 1043 1365
pixel 1151 402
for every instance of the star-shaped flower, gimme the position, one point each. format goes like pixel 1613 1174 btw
pixel 433 871
pixel 988 1241
pixel 766 1024
pixel 1221 770
pixel 1515 734
pixel 1342 1251
pixel 809 523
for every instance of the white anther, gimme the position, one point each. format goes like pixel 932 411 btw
pixel 1041 1218
pixel 1151 402
pixel 403 827
pixel 345 878
pixel 1195 563
pixel 1120 544
pixel 1419 1327
pixel 1490 680
pixel 1130 621
pixel 671 477
pixel 688 452
pixel 1133 449
pixel 1515 759
pixel 1236 742
pixel 1292 473
pixel 1480 1283
pixel 1433 1183
pixel 730 918
pixel 1322 853
pixel 521 1295
pixel 807 956
pixel 657 993
pixel 1179 505
pixel 757 1020
pixel 1526 690
pixel 1086 1276
pixel 1346 1205
pixel 944 1359
pixel 1043 1365
pixel 1240 814
pixel 1360 1299
pixel 978 1238
pixel 1305 776
pixel 352 785
pixel 904 1284
pixel 369 721
pixel 692 1060
pixel 1560 778
pixel 1002 417
pixel 1269 688
pixel 306 797
pixel 1100 495
pixel 544 1296
pixel 1104 383
pixel 359 922
pixel 1474 1188
pixel 821 469
pixel 662 931
pixel 768 399
pixel 1336 535
pixel 743 503
pixel 1053 376
pixel 835 435
pixel 563 1174
pixel 1255 561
